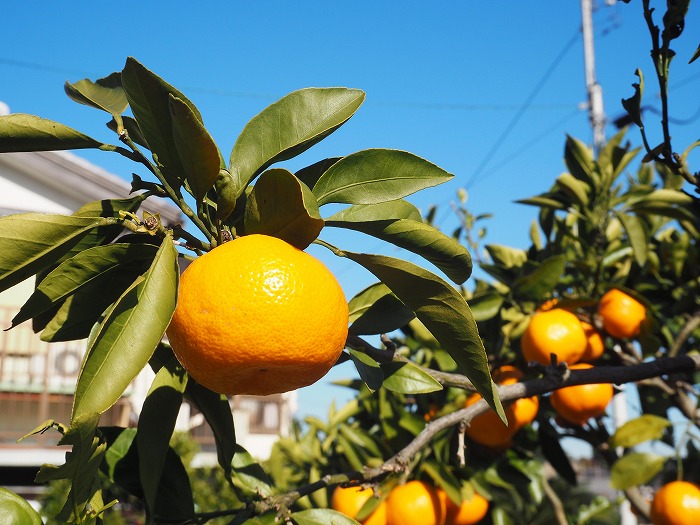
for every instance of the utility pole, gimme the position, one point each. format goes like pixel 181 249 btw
pixel 595 92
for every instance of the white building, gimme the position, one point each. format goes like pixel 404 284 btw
pixel 37 379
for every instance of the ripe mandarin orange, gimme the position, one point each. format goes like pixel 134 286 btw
pixel 557 332
pixel 524 409
pixel 487 428
pixel 471 510
pixel 258 316
pixel 349 501
pixel 676 503
pixel 622 315
pixel 577 404
pixel 414 503
pixel 594 343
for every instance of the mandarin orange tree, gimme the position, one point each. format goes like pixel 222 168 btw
pixel 110 274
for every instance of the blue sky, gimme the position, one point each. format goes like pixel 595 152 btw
pixel 486 90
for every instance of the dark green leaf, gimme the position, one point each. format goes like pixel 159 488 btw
pixel 554 453
pixel 580 161
pixel 383 316
pixel 105 208
pixel 289 127
pixel 217 411
pixel 633 105
pixel 538 283
pixel 199 156
pixel 391 210
pixel 420 238
pixel 485 306
pixel 377 175
pixel 369 370
pixel 248 474
pixel 104 93
pixel 444 312
pixel 310 174
pixel 132 128
pixel 149 98
pixel 15 510
pixel 575 189
pixel 322 517
pixel 407 378
pixel 634 469
pixel 93 264
pixel 122 344
pixel 282 206
pixel 546 200
pixel 22 132
pixel 32 241
pixel 506 256
pixel 156 424
pixel 225 188
pixel 359 304
pixel 638 430
pixel 444 479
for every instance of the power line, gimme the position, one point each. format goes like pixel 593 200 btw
pixel 525 106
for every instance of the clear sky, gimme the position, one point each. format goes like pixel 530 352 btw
pixel 486 90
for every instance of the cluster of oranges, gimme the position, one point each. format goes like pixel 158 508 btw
pixel 414 502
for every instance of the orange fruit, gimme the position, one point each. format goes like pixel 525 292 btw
pixel 594 343
pixel 622 315
pixel 258 316
pixel 349 501
pixel 487 428
pixel 676 503
pixel 471 511
pixel 557 332
pixel 414 503
pixel 548 305
pixel 577 404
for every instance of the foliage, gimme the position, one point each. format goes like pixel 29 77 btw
pixel 110 276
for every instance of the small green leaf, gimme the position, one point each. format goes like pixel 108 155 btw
pixel 15 510
pixel 420 238
pixel 377 175
pixel 506 256
pixel 485 306
pixel 407 378
pixel 359 304
pixel 22 132
pixel 575 189
pixel 538 283
pixel 289 127
pixel 639 430
pixel 131 127
pixel 105 93
pixel 248 474
pixel 369 370
pixel 580 161
pixel 551 201
pixel 225 188
pixel 322 517
pixel 390 210
pixel 32 241
pixel 635 469
pixel 123 343
pixel 383 316
pixel 310 174
pixel 282 206
pixel 637 234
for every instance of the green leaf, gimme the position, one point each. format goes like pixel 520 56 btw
pixel 407 378
pixel 94 264
pixel 156 425
pixel 149 98
pixel 310 174
pixel 249 475
pixel 32 241
pixel 289 127
pixel 322 517
pixel 644 428
pixel 131 127
pixel 282 206
pixel 575 189
pixel 225 188
pixel 637 234
pixel 580 161
pixel 383 316
pixel 443 310
pixel 199 156
pixel 506 256
pixel 105 208
pixel 420 238
pixel 554 453
pixel 359 304
pixel 633 105
pixel 217 411
pixel 370 372
pixel 121 345
pixel 485 306
pixel 390 210
pixel 444 479
pixel 105 93
pixel 635 469
pixel 22 132
pixel 15 510
pixel 538 283
pixel 377 175
pixel 551 201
